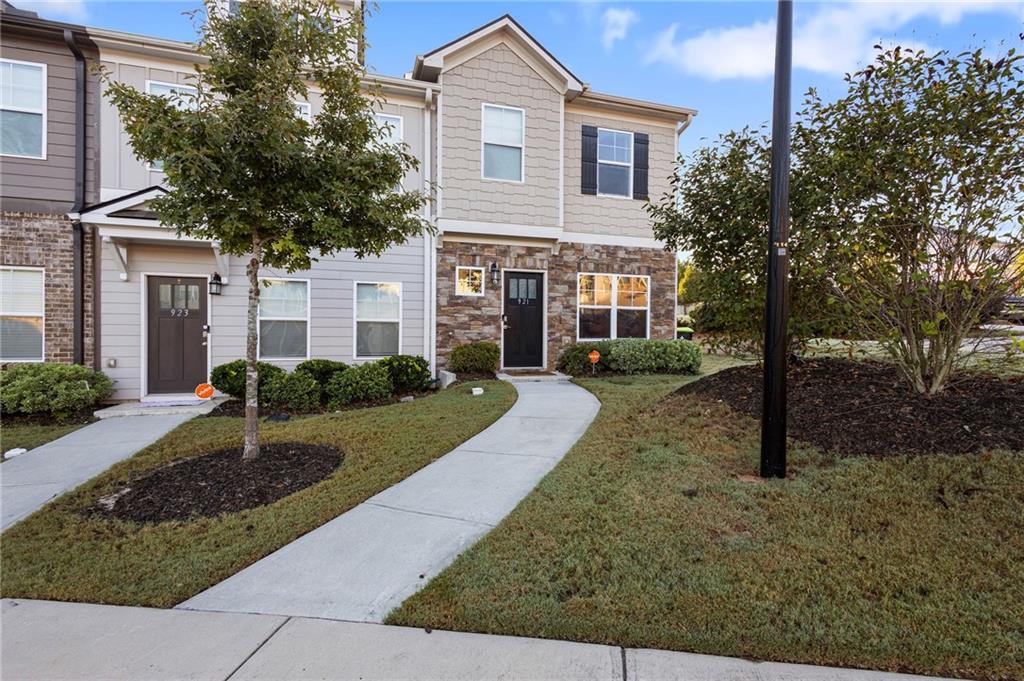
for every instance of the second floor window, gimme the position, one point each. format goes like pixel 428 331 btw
pixel 614 163
pixel 503 143
pixel 22 109
pixel 181 96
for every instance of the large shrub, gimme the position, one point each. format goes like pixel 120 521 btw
pixel 475 358
pixel 575 358
pixel 632 356
pixel 321 369
pixel 408 372
pixel 297 391
pixel 229 378
pixel 360 383
pixel 57 389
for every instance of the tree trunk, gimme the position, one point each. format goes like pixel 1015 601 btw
pixel 252 382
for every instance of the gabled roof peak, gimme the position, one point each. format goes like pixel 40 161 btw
pixel 428 67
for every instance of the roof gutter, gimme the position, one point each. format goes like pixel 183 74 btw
pixel 78 243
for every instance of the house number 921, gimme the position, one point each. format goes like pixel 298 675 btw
pixel 179 312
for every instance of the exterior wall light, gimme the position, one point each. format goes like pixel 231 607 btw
pixel 494 273
pixel 215 284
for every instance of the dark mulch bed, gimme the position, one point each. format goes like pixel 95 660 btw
pixel 867 408
pixel 220 482
pixel 85 416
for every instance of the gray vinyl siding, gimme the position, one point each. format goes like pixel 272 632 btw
pixel 48 185
pixel 331 295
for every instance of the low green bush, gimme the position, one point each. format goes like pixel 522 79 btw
pixel 575 358
pixel 60 390
pixel 320 369
pixel 632 356
pixel 408 372
pixel 364 382
pixel 475 358
pixel 297 391
pixel 229 378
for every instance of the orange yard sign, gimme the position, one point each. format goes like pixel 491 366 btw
pixel 594 356
pixel 204 391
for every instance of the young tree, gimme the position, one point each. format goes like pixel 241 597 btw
pixel 245 169
pixel 920 168
pixel 717 210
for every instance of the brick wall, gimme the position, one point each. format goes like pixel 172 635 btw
pixel 45 240
pixel 464 319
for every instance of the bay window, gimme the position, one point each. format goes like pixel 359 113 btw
pixel 22 109
pixel 378 319
pixel 284 319
pixel 612 306
pixel 21 314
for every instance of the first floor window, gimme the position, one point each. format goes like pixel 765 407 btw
pixel 503 143
pixel 613 306
pixel 378 319
pixel 469 281
pixel 22 109
pixel 21 314
pixel 284 319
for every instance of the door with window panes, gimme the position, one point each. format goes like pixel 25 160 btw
pixel 176 339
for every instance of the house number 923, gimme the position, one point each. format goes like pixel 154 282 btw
pixel 179 312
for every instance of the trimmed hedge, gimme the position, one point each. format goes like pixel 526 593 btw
pixel 408 373
pixel 229 378
pixel 297 391
pixel 364 382
pixel 320 369
pixel 632 356
pixel 475 358
pixel 60 390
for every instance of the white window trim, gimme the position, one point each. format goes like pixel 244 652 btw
pixel 43 111
pixel 614 306
pixel 356 319
pixel 306 110
pixel 483 281
pixel 261 318
pixel 632 160
pixel 484 143
pixel 401 122
pixel 42 352
pixel 149 91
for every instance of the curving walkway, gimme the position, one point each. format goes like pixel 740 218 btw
pixel 365 562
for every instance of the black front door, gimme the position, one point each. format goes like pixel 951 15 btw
pixel 176 309
pixel 524 319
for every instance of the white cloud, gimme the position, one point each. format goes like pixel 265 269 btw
pixel 615 25
pixel 68 10
pixel 834 39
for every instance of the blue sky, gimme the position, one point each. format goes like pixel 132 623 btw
pixel 712 56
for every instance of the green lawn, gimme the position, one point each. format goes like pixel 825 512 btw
pixel 60 554
pixel 31 435
pixel 646 535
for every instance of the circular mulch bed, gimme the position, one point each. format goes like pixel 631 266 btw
pixel 220 482
pixel 867 408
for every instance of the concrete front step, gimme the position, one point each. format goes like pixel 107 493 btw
pixel 195 407
pixel 533 376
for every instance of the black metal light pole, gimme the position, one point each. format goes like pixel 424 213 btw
pixel 773 418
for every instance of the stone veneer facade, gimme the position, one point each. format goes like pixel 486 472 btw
pixel 465 319
pixel 45 240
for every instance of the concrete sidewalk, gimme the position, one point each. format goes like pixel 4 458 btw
pixel 365 562
pixel 49 640
pixel 32 479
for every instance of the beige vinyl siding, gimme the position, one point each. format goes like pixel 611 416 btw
pixel 48 185
pixel 609 215
pixel 331 296
pixel 499 76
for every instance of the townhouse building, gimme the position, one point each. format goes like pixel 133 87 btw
pixel 542 237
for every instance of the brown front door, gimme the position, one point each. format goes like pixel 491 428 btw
pixel 177 347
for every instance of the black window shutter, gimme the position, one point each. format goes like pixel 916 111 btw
pixel 640 169
pixel 588 168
